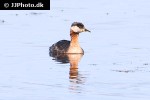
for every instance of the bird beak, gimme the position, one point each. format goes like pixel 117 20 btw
pixel 86 30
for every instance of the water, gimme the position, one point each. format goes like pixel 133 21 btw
pixel 115 66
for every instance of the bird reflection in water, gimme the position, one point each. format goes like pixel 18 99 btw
pixel 75 77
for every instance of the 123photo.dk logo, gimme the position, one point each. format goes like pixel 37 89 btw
pixel 25 5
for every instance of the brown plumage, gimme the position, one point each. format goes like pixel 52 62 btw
pixel 73 46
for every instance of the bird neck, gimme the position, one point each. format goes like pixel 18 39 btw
pixel 74 38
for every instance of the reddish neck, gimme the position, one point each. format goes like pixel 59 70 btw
pixel 74 38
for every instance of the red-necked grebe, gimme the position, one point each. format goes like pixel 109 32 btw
pixel 73 46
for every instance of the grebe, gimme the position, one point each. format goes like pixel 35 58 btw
pixel 73 46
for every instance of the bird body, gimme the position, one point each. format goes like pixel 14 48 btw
pixel 73 46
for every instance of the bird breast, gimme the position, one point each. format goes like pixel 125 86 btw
pixel 75 49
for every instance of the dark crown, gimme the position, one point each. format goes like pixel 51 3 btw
pixel 78 24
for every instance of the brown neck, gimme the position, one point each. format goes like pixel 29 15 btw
pixel 74 38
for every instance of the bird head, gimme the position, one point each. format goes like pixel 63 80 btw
pixel 78 27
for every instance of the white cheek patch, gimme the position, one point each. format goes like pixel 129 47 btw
pixel 82 30
pixel 75 29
